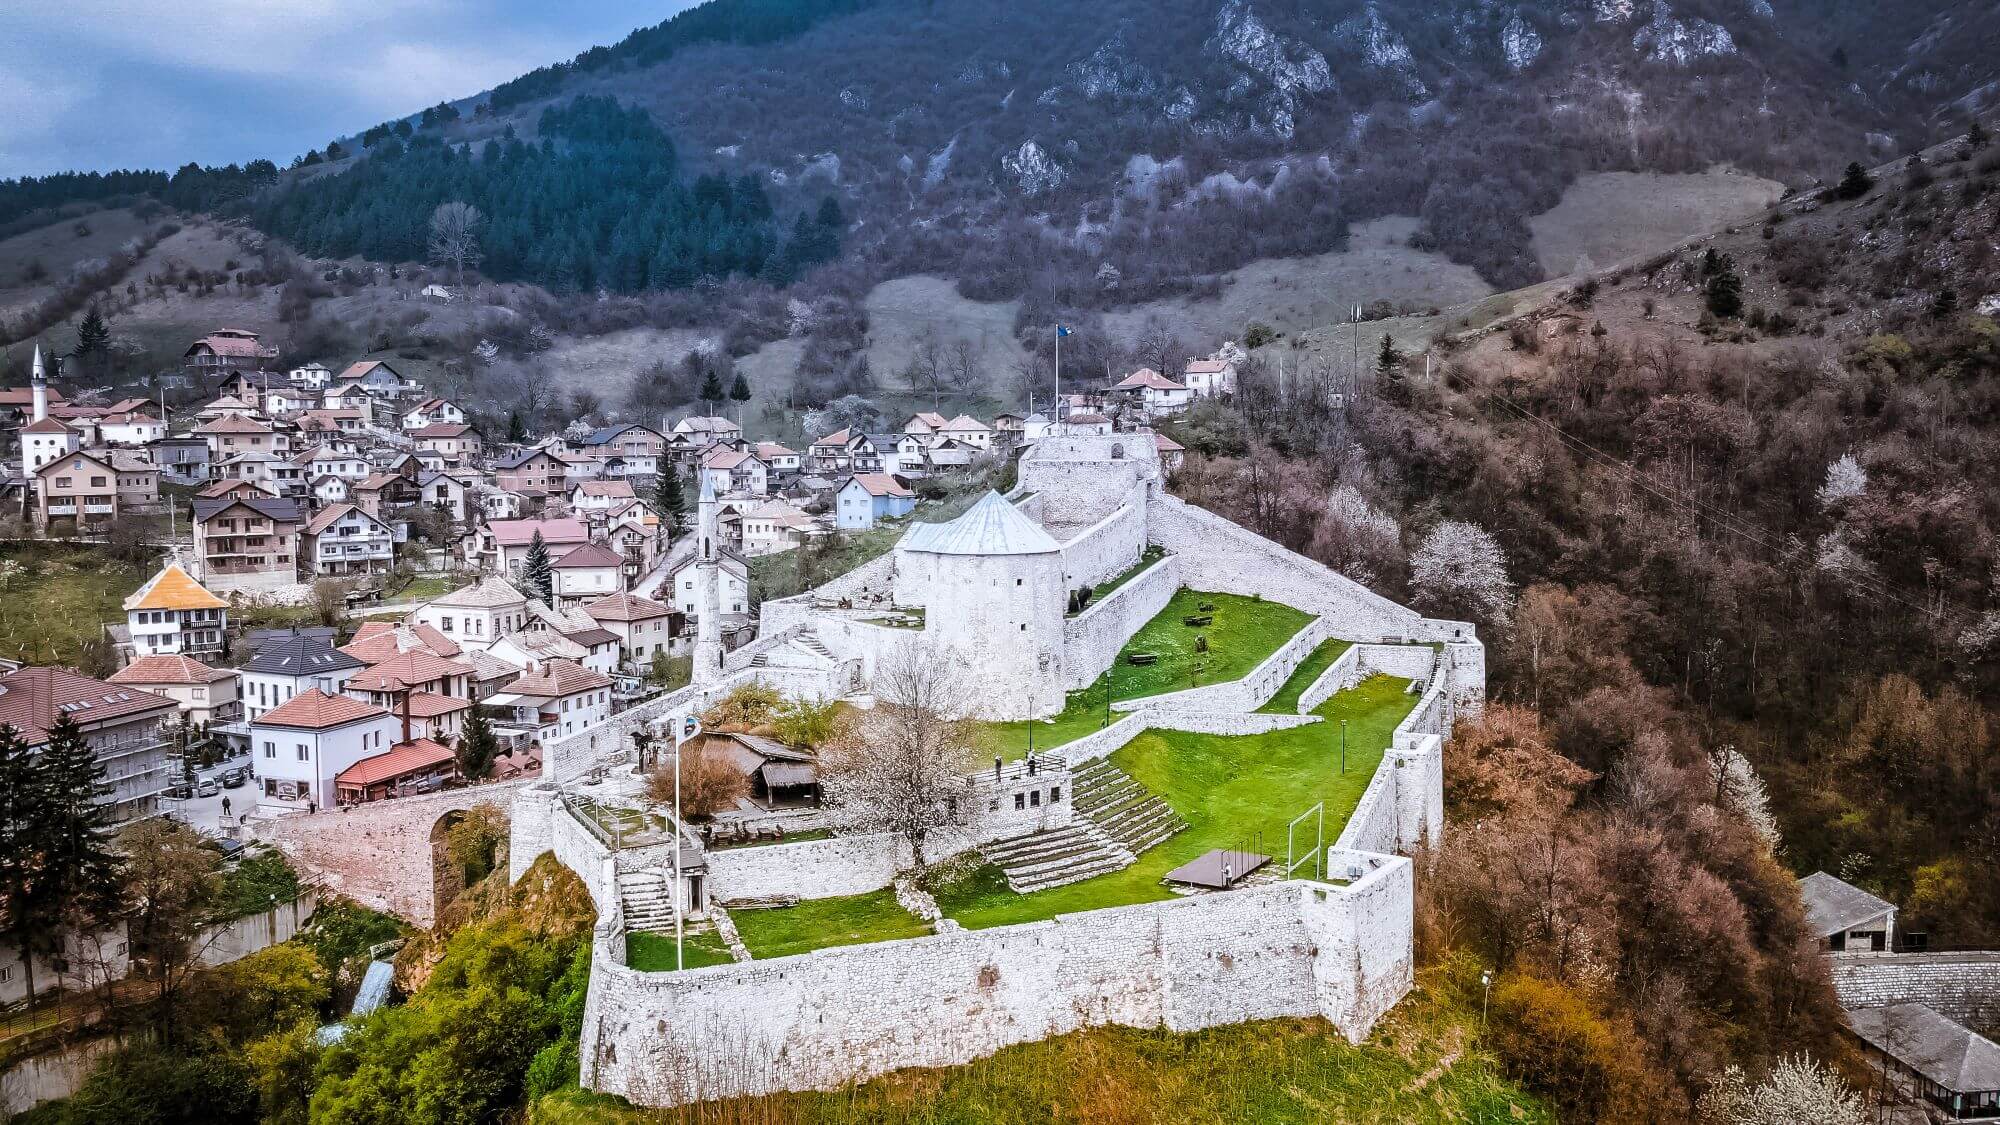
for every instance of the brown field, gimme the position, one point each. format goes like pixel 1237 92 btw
pixel 1610 218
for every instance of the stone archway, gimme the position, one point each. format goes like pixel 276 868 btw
pixel 384 854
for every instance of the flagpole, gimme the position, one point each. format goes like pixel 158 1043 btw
pixel 1058 402
pixel 680 881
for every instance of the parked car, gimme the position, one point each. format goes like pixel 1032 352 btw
pixel 234 778
pixel 180 790
pixel 209 787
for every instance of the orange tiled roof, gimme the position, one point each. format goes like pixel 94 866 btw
pixel 173 588
pixel 316 710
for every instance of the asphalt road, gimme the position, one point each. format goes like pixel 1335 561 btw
pixel 205 813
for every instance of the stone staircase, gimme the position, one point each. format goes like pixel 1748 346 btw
pixel 646 901
pixel 1051 858
pixel 808 642
pixel 1126 812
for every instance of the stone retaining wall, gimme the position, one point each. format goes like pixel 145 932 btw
pixel 1247 694
pixel 834 1016
pixel 1092 639
pixel 844 865
pixel 1340 675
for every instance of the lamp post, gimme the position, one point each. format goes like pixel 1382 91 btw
pixel 1343 747
pixel 1486 994
pixel 1110 685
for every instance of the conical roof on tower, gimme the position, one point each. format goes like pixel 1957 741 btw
pixel 991 527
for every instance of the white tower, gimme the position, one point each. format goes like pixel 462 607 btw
pixel 708 588
pixel 39 376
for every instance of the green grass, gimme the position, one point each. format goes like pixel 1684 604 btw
pixel 1245 632
pixel 427 586
pixel 1424 1065
pixel 823 922
pixel 654 953
pixel 1229 790
pixel 1286 702
pixel 61 601
pixel 1147 559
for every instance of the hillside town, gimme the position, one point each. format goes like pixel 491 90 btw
pixel 568 571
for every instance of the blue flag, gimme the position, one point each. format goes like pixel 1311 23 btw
pixel 1061 331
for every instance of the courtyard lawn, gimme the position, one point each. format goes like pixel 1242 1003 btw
pixel 60 599
pixel 1286 702
pixel 425 587
pixel 1244 633
pixel 654 953
pixel 1147 559
pixel 1234 792
pixel 823 922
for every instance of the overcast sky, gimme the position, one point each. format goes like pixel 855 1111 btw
pixel 99 84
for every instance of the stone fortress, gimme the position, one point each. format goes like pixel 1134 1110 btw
pixel 995 584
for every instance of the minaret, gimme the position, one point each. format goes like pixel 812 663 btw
pixel 708 588
pixel 39 376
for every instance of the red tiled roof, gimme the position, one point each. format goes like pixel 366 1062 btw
pixel 1147 377
pixel 46 426
pixel 429 705
pixel 1165 444
pixel 837 437
pixel 1088 419
pixel 589 555
pixel 443 430
pixel 163 669
pixel 558 678
pixel 31 698
pixel 1206 366
pixel 233 424
pixel 407 669
pixel 332 514
pixel 617 489
pixel 377 641
pixel 519 533
pixel 625 607
pixel 314 709
pixel 414 756
pixel 881 484
pixel 234 342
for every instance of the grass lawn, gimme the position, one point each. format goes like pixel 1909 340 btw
pixel 1286 702
pixel 822 922
pixel 427 586
pixel 1147 558
pixel 1424 1065
pixel 654 953
pixel 1234 792
pixel 1245 632
pixel 62 600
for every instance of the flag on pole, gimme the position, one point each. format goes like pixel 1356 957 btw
pixel 1062 330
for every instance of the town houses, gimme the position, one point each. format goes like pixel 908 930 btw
pixel 543 582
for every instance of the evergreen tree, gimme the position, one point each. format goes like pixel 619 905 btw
pixel 711 390
pixel 1856 183
pixel 477 746
pixel 667 497
pixel 24 847
pixel 535 573
pixel 81 876
pixel 517 430
pixel 1722 287
pixel 1976 135
pixel 739 393
pixel 1945 304
pixel 93 338
pixel 1389 357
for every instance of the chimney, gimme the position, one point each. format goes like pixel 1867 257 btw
pixel 406 712
pixel 40 377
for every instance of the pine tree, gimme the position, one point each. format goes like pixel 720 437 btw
pixel 477 746
pixel 1724 289
pixel 1391 382
pixel 1389 356
pixel 24 819
pixel 535 573
pixel 1855 183
pixel 1945 304
pixel 739 393
pixel 81 877
pixel 1976 135
pixel 711 390
pixel 93 338
pixel 667 497
pixel 517 429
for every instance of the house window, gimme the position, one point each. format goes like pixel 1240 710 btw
pixel 270 749
pixel 1035 798
pixel 1055 794
pixel 305 755
pixel 1020 801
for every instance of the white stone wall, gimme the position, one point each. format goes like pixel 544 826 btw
pixel 1410 662
pixel 1403 805
pixel 1340 675
pixel 1078 481
pixel 580 851
pixel 1004 614
pixel 844 865
pixel 1093 638
pixel 1105 549
pixel 529 825
pixel 1247 694
pixel 837 1015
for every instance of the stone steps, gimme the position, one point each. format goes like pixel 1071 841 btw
pixel 647 904
pixel 1124 810
pixel 1054 857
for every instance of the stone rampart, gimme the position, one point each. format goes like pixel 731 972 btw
pixel 838 1015
pixel 1962 986
pixel 1247 694
pixel 1105 549
pixel 844 865
pixel 1092 639
pixel 1340 675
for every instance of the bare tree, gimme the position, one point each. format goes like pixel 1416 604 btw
pixel 455 229
pixel 906 766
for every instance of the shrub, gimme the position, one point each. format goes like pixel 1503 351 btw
pixel 751 705
pixel 1550 1038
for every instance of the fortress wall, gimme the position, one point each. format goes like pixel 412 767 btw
pixel 1340 675
pixel 1247 694
pixel 1106 549
pixel 1093 638
pixel 844 865
pixel 1960 986
pixel 838 1015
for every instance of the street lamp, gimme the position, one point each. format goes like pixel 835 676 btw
pixel 1343 747
pixel 1486 985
